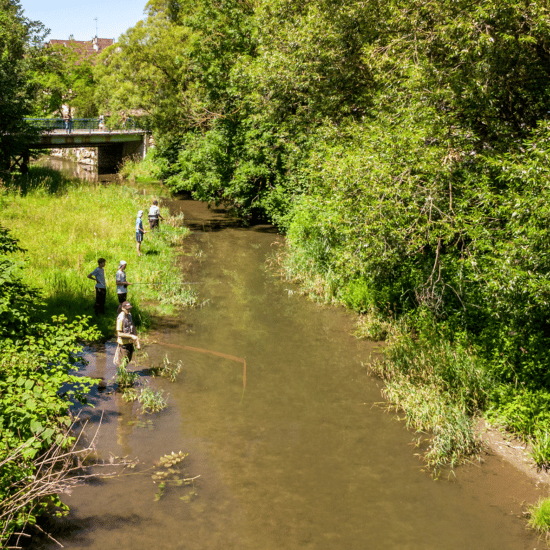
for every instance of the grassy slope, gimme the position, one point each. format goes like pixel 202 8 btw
pixel 65 225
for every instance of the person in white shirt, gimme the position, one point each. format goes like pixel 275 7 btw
pixel 154 215
pixel 139 231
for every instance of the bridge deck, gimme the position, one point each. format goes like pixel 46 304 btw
pixel 86 138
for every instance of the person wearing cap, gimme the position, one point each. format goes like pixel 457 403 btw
pixel 98 275
pixel 121 284
pixel 154 215
pixel 126 334
pixel 139 231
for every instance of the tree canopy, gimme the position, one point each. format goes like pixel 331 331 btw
pixel 20 54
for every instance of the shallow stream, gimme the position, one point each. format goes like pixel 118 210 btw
pixel 295 455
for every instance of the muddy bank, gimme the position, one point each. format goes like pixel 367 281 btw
pixel 514 451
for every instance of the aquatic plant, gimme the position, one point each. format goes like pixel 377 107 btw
pixel 168 369
pixel 171 473
pixel 151 401
pixel 124 378
pixel 129 394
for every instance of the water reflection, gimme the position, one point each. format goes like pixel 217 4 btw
pixel 70 168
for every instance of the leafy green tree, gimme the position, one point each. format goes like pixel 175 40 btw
pixel 66 78
pixel 20 51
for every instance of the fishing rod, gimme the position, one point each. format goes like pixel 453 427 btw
pixel 181 283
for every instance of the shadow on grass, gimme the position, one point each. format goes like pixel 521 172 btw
pixel 72 305
pixel 49 180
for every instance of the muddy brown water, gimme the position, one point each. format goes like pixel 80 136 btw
pixel 301 458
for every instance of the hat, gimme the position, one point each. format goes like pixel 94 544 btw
pixel 140 213
pixel 121 263
pixel 126 305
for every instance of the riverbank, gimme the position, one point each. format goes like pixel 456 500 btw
pixel 65 225
pixel 515 451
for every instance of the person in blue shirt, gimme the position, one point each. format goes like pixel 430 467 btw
pixel 139 231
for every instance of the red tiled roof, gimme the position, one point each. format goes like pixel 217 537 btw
pixel 87 46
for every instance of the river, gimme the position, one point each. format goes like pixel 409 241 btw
pixel 294 454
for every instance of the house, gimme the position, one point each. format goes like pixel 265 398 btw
pixel 88 47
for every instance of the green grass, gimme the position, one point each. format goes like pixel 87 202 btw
pixel 65 225
pixel 539 517
pixel 440 388
pixel 143 170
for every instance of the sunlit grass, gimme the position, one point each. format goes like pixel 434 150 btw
pixel 66 225
pixel 539 517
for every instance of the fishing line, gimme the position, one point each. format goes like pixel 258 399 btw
pixel 216 353
pixel 167 283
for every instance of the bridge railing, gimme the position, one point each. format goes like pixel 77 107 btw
pixel 80 124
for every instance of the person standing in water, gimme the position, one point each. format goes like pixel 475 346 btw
pixel 126 335
pixel 154 216
pixel 139 231
pixel 98 275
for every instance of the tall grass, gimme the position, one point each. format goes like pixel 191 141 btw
pixel 66 225
pixel 150 168
pixel 539 517
pixel 440 387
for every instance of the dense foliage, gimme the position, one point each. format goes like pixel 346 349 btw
pixel 403 147
pixel 37 387
pixel 20 55
pixel 66 79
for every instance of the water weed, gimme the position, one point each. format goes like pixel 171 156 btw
pixel 129 394
pixel 168 369
pixel 124 378
pixel 151 401
pixel 171 473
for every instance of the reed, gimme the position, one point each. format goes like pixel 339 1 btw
pixel 440 387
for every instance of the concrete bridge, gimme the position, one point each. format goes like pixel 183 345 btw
pixel 113 146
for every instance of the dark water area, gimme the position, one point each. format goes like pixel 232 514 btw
pixel 298 455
